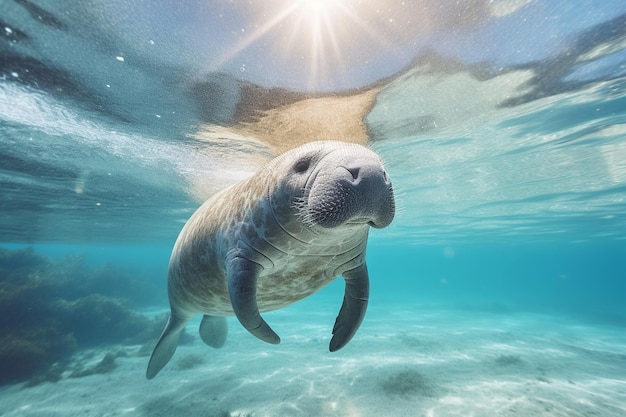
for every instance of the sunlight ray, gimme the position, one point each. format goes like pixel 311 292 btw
pixel 318 33
pixel 334 43
pixel 256 35
pixel 375 35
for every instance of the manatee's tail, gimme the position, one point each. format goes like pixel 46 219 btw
pixel 166 346
pixel 213 330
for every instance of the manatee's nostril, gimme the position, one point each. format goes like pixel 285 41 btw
pixel 354 172
pixel 386 177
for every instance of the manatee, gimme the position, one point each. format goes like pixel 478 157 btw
pixel 273 239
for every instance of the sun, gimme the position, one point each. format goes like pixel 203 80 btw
pixel 317 5
pixel 311 36
pixel 314 33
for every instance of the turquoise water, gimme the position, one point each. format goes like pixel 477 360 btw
pixel 499 289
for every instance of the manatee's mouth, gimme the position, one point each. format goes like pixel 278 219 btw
pixel 379 225
pixel 362 220
pixel 377 221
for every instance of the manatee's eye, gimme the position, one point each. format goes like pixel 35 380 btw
pixel 302 165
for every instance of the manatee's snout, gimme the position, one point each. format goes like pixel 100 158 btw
pixel 375 203
pixel 357 192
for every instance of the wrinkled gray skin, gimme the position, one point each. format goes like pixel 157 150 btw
pixel 276 238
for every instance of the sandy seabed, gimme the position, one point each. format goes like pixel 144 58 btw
pixel 404 361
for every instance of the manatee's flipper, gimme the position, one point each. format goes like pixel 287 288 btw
pixel 166 346
pixel 213 330
pixel 353 307
pixel 242 276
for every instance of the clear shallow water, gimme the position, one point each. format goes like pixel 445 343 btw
pixel 409 361
pixel 501 280
pixel 551 169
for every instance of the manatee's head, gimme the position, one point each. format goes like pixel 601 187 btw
pixel 334 183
